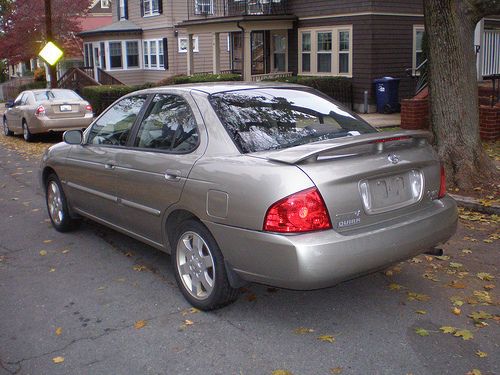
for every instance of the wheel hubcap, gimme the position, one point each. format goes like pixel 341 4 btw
pixel 5 127
pixel 195 265
pixel 54 202
pixel 25 131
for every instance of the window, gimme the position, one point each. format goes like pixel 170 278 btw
pixel 150 8
pixel 168 125
pixel 183 44
pixel 306 52
pixel 87 48
pixel 105 3
pixel 325 51
pixel 418 54
pixel 113 128
pixel 122 10
pixel 203 7
pixel 115 54
pixel 132 54
pixel 154 57
pixel 279 52
pixel 344 51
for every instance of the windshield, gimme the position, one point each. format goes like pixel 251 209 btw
pixel 273 118
pixel 56 95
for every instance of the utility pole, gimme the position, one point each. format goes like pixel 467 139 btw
pixel 49 37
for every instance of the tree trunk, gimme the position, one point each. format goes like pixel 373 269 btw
pixel 453 91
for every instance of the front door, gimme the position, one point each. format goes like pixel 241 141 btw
pixel 152 172
pixel 237 52
pixel 91 177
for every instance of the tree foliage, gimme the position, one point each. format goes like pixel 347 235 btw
pixel 450 25
pixel 23 25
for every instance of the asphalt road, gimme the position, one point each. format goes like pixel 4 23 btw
pixel 82 296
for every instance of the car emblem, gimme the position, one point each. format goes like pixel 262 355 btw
pixel 393 158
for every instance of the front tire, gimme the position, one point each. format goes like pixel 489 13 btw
pixel 6 130
pixel 199 268
pixel 57 206
pixel 28 137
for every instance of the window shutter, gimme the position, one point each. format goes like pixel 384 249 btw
pixel 126 9
pixel 160 6
pixel 142 7
pixel 165 53
pixel 118 9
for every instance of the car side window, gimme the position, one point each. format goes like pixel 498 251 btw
pixel 169 124
pixel 113 128
pixel 20 99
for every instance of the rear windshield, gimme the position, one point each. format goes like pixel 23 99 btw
pixel 56 95
pixel 272 118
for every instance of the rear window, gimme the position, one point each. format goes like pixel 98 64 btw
pixel 273 118
pixel 56 95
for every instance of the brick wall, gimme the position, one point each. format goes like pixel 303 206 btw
pixel 414 114
pixel 489 122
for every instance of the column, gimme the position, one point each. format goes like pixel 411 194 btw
pixel 216 52
pixel 190 61
pixel 247 56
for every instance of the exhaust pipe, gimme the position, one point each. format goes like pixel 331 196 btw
pixel 435 251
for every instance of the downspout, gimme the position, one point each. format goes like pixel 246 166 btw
pixel 242 49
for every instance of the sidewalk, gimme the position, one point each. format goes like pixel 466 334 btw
pixel 380 121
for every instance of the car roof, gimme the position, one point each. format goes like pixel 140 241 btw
pixel 218 87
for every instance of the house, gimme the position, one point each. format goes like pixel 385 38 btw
pixel 362 40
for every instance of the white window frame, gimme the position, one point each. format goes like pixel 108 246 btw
pixel 158 44
pixel 151 12
pixel 284 34
pixel 105 4
pixel 195 44
pixel 200 4
pixel 121 9
pixel 416 29
pixel 124 54
pixel 335 52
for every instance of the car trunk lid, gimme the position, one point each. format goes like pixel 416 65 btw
pixel 368 179
pixel 64 108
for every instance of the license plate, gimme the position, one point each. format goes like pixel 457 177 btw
pixel 65 108
pixel 384 194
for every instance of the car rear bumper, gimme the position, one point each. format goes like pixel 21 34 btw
pixel 45 124
pixel 322 259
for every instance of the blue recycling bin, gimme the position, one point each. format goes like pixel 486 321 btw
pixel 387 94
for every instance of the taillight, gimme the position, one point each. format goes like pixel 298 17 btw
pixel 304 211
pixel 442 184
pixel 88 108
pixel 40 111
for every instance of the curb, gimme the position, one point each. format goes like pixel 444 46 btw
pixel 476 205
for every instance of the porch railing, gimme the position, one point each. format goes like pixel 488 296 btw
pixel 491 52
pixel 276 75
pixel 419 75
pixel 229 8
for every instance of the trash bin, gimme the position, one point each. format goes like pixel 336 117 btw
pixel 387 94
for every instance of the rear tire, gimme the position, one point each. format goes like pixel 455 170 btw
pixel 28 137
pixel 57 206
pixel 6 130
pixel 199 268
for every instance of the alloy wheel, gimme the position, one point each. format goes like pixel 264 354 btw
pixel 55 203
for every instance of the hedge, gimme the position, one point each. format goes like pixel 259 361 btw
pixel 33 86
pixel 100 97
pixel 198 78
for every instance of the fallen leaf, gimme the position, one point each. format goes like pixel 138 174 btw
pixel 139 268
pixel 448 329
pixel 303 330
pixel 281 372
pixel 456 301
pixel 58 359
pixel 474 372
pixel 250 297
pixel 129 254
pixel 101 288
pixel 467 251
pixel 65 251
pixel 480 315
pixel 456 311
pixel 47 241
pixel 326 338
pixel 394 286
pixel 456 284
pixel 52 270
pixel 140 324
pixel 58 331
pixel 489 287
pixel 442 257
pixel 456 265
pixel 43 253
pixel 421 312
pixel 416 260
pixel 482 296
pixel 188 322
pixel 481 354
pixel 412 296
pixel 465 334
pixel 421 332
pixel 336 370
pixel 485 276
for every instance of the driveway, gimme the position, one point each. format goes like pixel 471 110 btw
pixel 97 302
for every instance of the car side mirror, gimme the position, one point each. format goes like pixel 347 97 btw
pixel 73 137
pixel 9 104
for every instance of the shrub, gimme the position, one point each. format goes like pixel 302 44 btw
pixel 39 74
pixel 208 77
pixel 33 86
pixel 100 97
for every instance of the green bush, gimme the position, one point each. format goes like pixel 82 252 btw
pixel 39 74
pixel 100 97
pixel 197 78
pixel 33 86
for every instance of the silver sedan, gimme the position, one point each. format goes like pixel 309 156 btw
pixel 46 110
pixel 267 183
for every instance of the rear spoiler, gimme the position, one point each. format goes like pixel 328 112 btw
pixel 294 155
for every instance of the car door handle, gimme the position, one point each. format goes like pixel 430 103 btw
pixel 172 175
pixel 109 166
